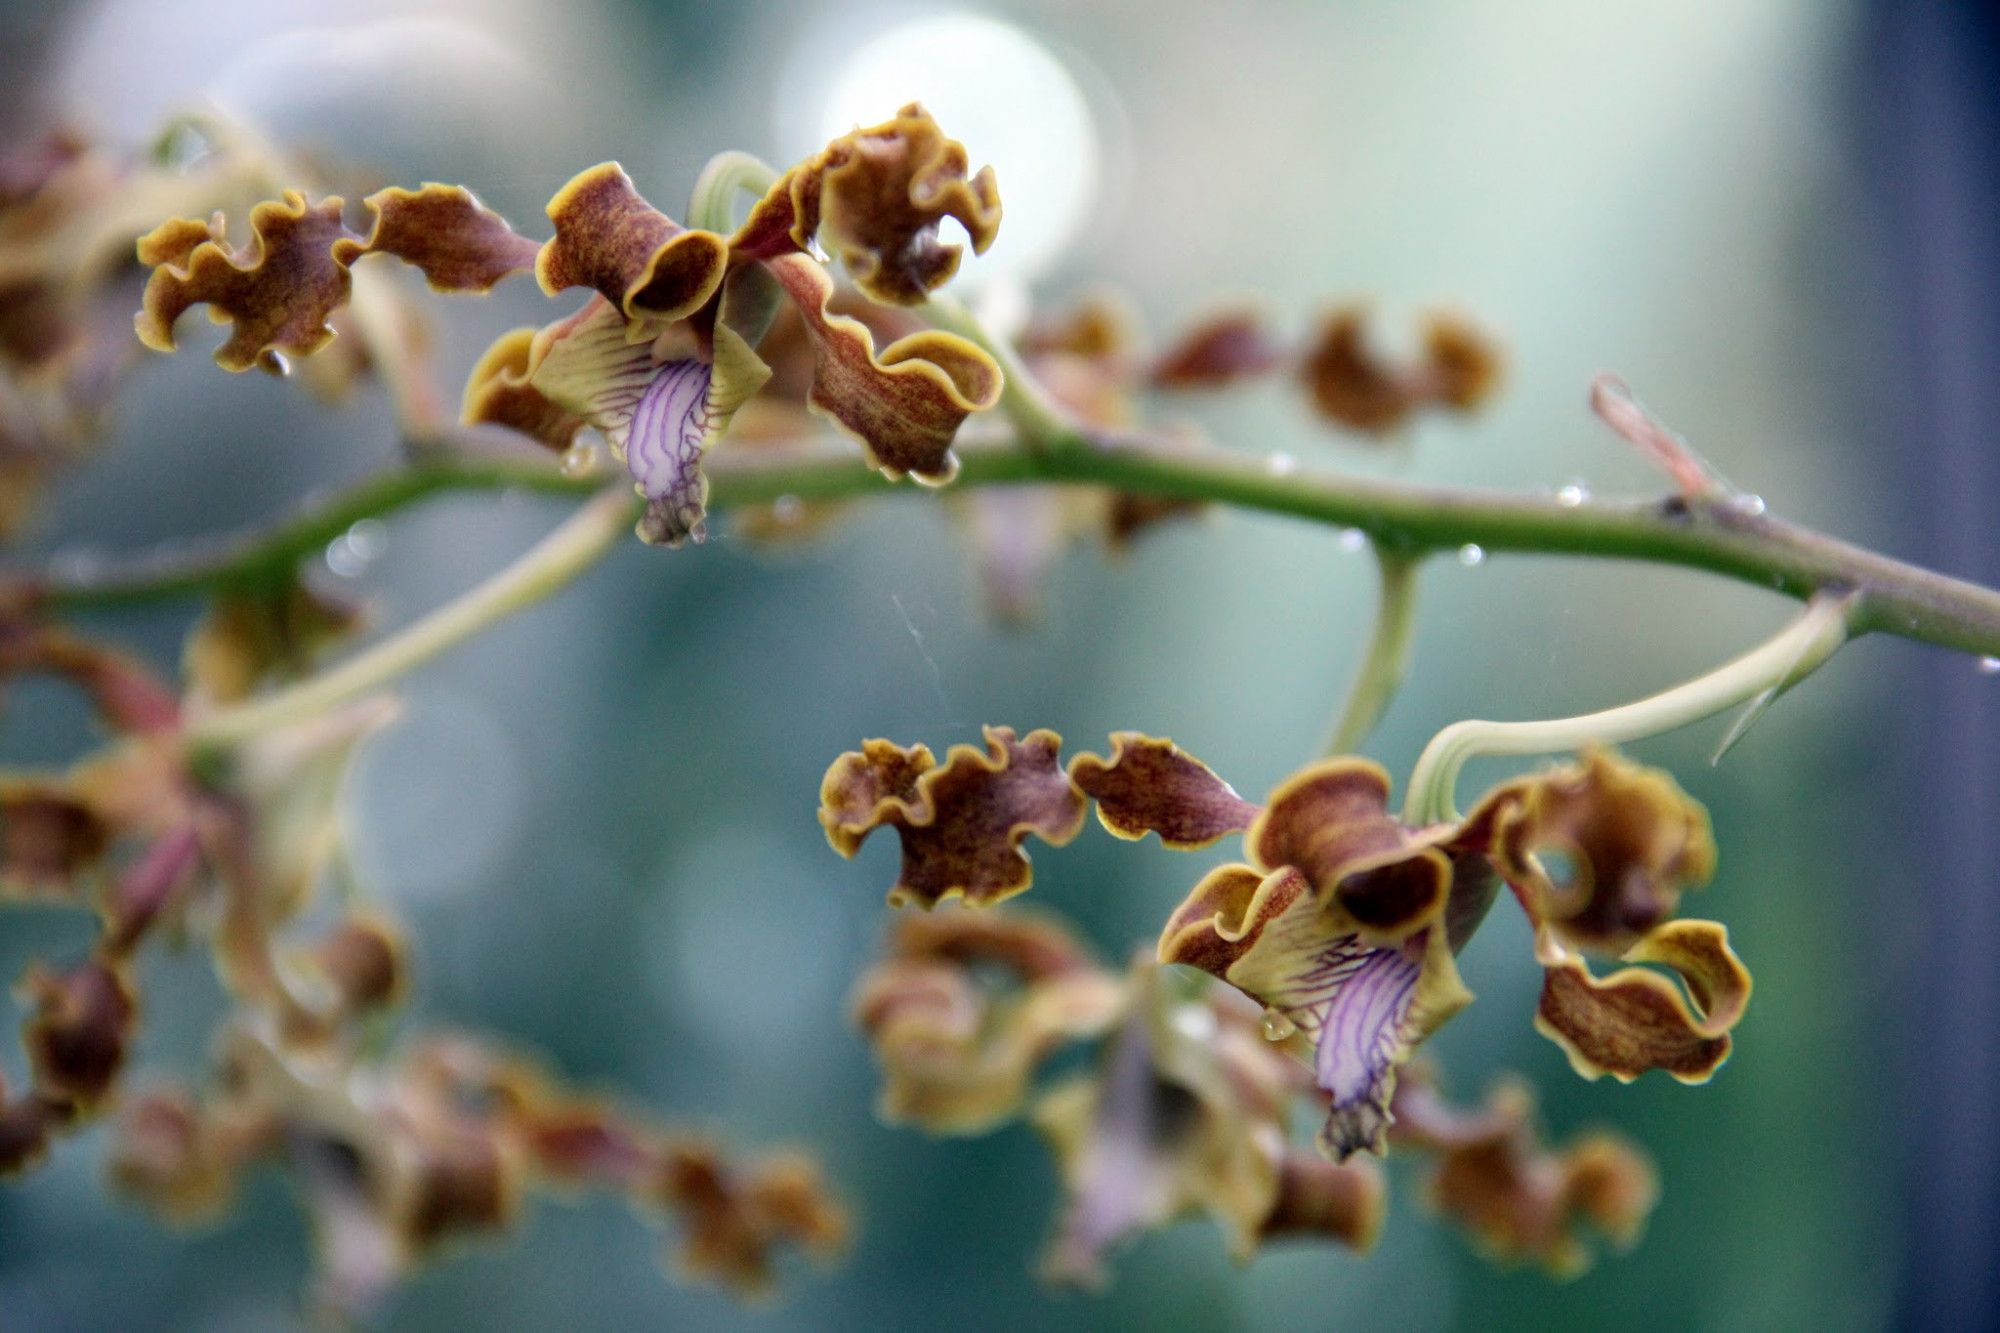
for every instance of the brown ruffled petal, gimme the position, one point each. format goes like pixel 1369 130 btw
pixel 78 1037
pixel 904 404
pixel 966 1008
pixel 874 199
pixel 1631 838
pixel 1332 821
pixel 456 242
pixel 1348 384
pixel 1343 1201
pixel 734 1221
pixel 1465 366
pixel 1352 386
pixel 1226 912
pixel 1635 1020
pixel 361 962
pixel 499 392
pixel 1220 350
pixel 1153 786
pixel 49 836
pixel 961 823
pixel 639 259
pixel 1101 329
pixel 279 288
pixel 455 1183
pixel 1518 1198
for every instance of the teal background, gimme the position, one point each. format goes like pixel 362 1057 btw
pixel 598 820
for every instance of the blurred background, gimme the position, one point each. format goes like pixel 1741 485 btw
pixel 1773 217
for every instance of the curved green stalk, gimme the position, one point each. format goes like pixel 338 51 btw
pixel 1387 658
pixel 579 543
pixel 1772 667
pixel 712 205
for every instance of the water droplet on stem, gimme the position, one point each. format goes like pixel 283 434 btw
pixel 581 460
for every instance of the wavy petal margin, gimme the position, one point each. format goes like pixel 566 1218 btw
pixel 639 259
pixel 1631 839
pixel 966 1007
pixel 903 404
pixel 961 823
pixel 1519 1198
pixel 1148 785
pixel 279 288
pixel 874 198
pixel 1332 821
pixel 1635 1019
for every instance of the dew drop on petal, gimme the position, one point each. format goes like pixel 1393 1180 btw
pixel 1471 555
pixel 581 460
pixel 1282 464
pixel 1572 495
pixel 1989 666
pixel 1277 1027
pixel 1745 503
pixel 1351 540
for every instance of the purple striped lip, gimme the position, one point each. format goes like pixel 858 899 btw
pixel 663 447
pixel 1362 1030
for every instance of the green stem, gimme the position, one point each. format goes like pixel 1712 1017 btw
pixel 579 543
pixel 1388 656
pixel 712 205
pixel 1757 549
pixel 1773 666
